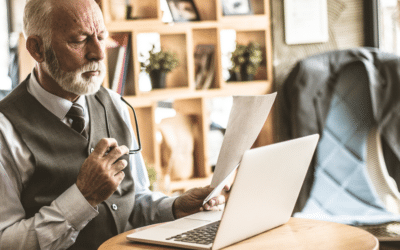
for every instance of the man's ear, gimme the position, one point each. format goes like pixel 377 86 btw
pixel 34 44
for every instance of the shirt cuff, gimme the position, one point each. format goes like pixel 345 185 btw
pixel 76 209
pixel 166 212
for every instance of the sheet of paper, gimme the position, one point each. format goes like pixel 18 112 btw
pixel 217 190
pixel 246 119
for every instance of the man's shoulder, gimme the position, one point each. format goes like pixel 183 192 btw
pixel 15 95
pixel 115 97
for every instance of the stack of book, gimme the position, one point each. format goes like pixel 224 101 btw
pixel 119 58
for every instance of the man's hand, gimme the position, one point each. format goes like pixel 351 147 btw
pixel 191 201
pixel 101 173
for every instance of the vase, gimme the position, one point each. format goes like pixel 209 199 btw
pixel 158 79
pixel 243 76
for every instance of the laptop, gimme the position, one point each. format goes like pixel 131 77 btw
pixel 263 196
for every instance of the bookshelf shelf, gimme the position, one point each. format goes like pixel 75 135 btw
pixel 237 88
pixel 229 22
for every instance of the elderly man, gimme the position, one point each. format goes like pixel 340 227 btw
pixel 66 180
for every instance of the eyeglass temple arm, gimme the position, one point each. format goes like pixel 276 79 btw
pixel 137 129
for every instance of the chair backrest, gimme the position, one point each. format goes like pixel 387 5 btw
pixel 342 190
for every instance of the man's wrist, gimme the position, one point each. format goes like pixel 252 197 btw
pixel 176 209
pixel 75 207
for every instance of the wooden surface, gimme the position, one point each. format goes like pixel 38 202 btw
pixel 296 234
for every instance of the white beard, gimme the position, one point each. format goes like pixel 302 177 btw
pixel 74 82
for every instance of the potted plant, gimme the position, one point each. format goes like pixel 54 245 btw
pixel 246 59
pixel 158 65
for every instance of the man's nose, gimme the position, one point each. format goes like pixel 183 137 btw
pixel 95 50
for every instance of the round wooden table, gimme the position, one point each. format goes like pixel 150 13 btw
pixel 298 233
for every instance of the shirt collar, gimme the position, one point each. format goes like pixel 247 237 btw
pixel 55 104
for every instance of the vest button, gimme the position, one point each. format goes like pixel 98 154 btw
pixel 91 150
pixel 114 207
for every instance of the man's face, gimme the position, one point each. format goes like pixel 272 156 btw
pixel 74 55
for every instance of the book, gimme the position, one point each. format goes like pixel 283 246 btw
pixel 117 54
pixel 204 65
pixel 210 73
pixel 125 68
pixel 118 69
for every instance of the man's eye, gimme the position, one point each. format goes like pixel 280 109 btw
pixel 78 41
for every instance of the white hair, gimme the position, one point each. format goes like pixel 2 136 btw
pixel 37 19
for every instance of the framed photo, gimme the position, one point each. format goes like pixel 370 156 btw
pixel 183 10
pixel 236 7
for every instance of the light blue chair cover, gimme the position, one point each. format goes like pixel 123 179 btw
pixel 342 190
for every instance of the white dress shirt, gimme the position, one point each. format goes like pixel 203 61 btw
pixel 57 226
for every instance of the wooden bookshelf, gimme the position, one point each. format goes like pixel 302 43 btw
pixel 182 38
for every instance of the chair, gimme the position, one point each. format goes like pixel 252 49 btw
pixel 335 94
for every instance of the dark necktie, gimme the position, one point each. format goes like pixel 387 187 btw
pixel 77 114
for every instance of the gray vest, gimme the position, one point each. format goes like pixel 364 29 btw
pixel 59 152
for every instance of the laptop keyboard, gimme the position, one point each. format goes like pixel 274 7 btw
pixel 202 235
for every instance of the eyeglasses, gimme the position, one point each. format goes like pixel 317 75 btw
pixel 134 151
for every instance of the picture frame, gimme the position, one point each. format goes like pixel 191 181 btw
pixel 183 10
pixel 236 7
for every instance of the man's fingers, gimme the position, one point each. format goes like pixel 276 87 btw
pixel 220 199
pixel 214 208
pixel 104 145
pixel 117 152
pixel 119 176
pixel 119 166
pixel 215 203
